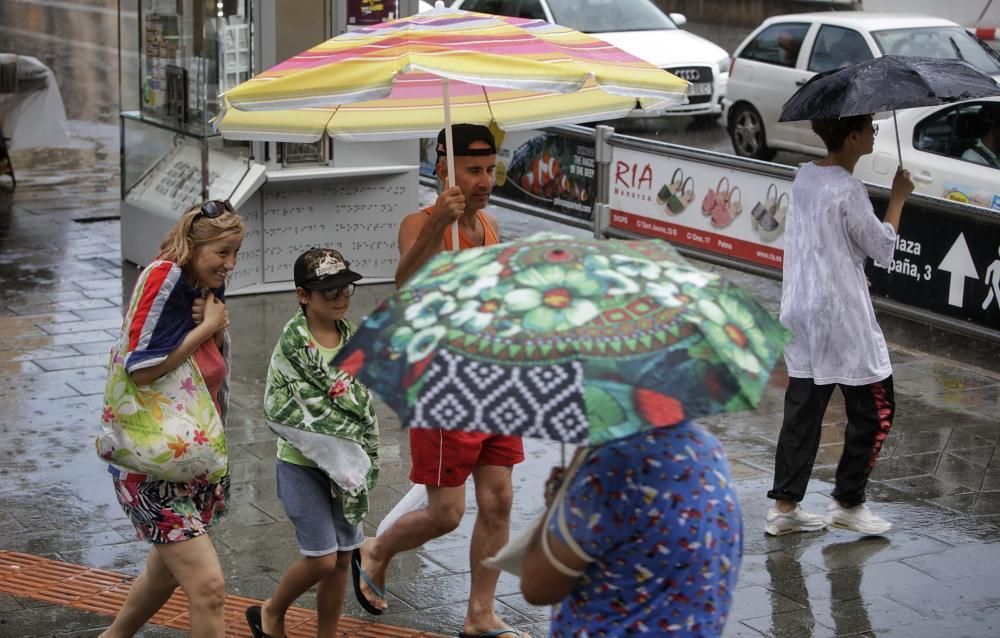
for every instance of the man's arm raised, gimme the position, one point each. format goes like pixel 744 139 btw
pixel 420 235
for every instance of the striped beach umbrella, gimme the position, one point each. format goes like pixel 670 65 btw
pixel 410 77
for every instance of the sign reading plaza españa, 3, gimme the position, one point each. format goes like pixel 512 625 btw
pixel 738 214
pixel 944 262
pixel 948 264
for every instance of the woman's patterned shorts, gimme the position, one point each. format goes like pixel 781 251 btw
pixel 164 512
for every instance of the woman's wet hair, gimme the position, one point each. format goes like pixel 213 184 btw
pixel 194 229
pixel 834 132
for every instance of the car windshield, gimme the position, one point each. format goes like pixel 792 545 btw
pixel 606 16
pixel 939 42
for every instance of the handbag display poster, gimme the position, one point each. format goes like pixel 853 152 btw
pixel 713 208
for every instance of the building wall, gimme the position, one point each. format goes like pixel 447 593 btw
pixel 748 13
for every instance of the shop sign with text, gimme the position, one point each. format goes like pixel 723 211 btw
pixel 945 263
pixel 721 210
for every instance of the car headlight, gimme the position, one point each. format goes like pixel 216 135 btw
pixel 723 65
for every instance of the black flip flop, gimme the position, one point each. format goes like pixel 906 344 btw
pixel 496 633
pixel 256 624
pixel 356 575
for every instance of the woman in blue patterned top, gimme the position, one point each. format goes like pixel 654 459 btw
pixel 647 539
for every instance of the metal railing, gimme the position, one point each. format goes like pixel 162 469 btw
pixel 929 226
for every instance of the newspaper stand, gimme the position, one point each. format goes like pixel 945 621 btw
pixel 175 58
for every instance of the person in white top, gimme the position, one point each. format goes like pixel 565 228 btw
pixel 831 229
pixel 986 148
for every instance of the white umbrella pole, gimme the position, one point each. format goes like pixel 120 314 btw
pixel 899 150
pixel 450 156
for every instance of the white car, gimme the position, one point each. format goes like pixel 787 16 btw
pixel 638 27
pixel 785 51
pixel 950 150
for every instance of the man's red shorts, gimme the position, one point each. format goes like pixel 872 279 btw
pixel 443 458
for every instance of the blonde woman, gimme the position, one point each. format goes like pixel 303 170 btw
pixel 176 322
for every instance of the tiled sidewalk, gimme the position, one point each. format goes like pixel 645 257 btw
pixel 60 293
pixel 103 592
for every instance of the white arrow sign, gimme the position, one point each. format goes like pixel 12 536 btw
pixel 959 263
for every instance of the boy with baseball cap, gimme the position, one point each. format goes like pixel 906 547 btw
pixel 327 443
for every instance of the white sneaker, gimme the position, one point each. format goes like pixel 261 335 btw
pixel 797 520
pixel 857 519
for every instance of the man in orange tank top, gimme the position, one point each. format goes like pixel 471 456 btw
pixel 444 460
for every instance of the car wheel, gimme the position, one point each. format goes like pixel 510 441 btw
pixel 747 133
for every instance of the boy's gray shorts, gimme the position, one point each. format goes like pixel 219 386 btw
pixel 316 513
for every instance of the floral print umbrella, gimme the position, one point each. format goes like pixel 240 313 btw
pixel 573 340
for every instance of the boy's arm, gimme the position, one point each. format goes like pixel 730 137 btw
pixel 420 234
pixel 874 238
pixel 902 186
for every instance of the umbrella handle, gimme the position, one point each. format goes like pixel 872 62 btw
pixel 899 150
pixel 450 156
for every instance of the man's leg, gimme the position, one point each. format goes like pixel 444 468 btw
pixel 870 411
pixel 798 441
pixel 445 507
pixel 494 495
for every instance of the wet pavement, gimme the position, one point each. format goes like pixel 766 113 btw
pixel 61 289
pixel 60 296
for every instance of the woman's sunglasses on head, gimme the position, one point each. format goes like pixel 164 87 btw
pixel 214 208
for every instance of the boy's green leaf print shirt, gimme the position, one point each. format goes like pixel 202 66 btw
pixel 326 414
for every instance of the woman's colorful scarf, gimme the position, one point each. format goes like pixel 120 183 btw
pixel 171 428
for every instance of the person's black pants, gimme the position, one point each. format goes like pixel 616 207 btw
pixel 870 409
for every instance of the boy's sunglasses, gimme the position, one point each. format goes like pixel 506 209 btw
pixel 332 294
pixel 214 208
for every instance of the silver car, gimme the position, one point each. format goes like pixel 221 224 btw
pixel 638 27
pixel 785 51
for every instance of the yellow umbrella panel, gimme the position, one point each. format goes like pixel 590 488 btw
pixel 399 117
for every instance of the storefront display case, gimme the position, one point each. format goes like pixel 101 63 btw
pixel 189 52
pixel 176 58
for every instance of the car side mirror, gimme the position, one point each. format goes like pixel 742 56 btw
pixel 679 19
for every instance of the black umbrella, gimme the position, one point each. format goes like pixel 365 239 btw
pixel 887 83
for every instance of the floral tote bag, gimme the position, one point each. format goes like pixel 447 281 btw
pixel 169 430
